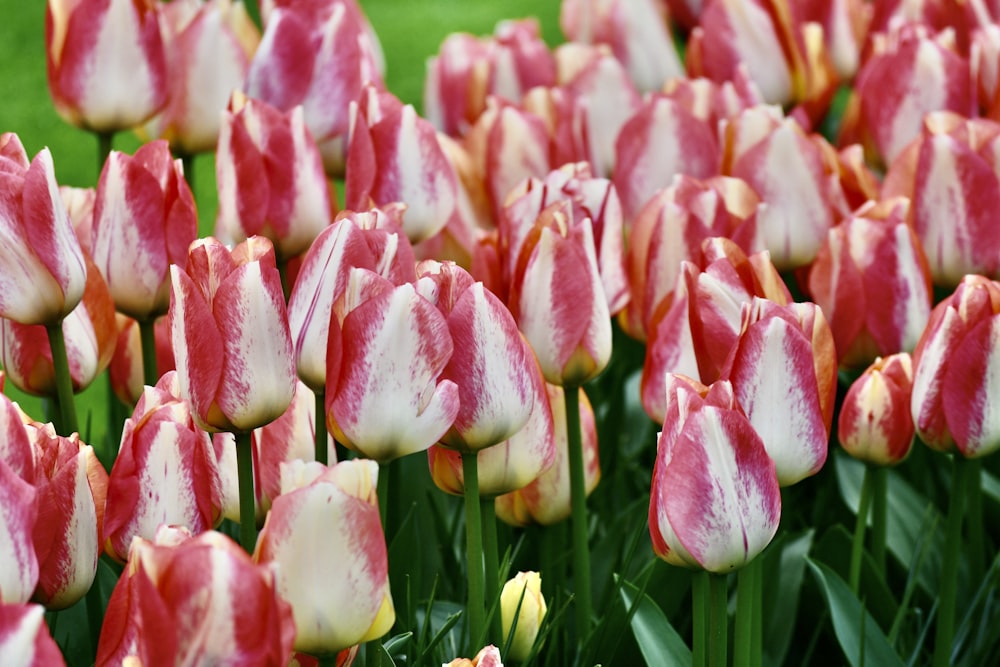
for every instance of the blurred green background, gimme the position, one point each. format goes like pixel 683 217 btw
pixel 410 32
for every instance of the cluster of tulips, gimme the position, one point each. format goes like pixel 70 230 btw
pixel 804 201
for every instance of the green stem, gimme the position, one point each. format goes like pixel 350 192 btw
pixel 373 654
pixel 491 558
pixel 860 525
pixel 699 619
pixel 974 520
pixel 327 660
pixel 578 497
pixel 718 620
pixel 475 608
pixel 747 645
pixel 945 631
pixel 147 336
pixel 248 518
pixel 321 434
pixel 880 517
pixel 64 382
pixel 105 142
pixel 286 287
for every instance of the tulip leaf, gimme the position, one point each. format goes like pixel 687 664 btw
pixel 860 637
pixel 910 515
pixel 394 645
pixel 784 564
pixel 659 642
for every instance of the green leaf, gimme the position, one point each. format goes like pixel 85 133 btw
pixel 910 516
pixel 860 637
pixel 659 642
pixel 784 565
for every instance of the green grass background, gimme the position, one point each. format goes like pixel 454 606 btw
pixel 410 32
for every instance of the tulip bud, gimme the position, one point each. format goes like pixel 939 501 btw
pixel 875 425
pixel 18 514
pixel 522 598
pixel 488 656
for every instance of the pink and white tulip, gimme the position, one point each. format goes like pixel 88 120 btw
pixel 144 221
pixel 715 501
pixel 106 66
pixel 230 334
pixel 271 178
pixel 954 367
pixel 18 516
pixel 42 268
pixel 875 425
pixel 24 637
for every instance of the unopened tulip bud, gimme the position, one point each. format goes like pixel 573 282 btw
pixel 522 598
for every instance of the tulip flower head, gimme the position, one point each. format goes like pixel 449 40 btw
pixel 715 501
pixel 230 335
pixel 488 656
pixel 144 221
pixel 522 597
pixel 18 514
pixel 385 393
pixel 107 69
pixel 332 520
pixel 195 600
pixel 953 402
pixel 42 268
pixel 875 425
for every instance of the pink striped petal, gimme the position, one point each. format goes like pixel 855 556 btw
pixel 24 637
pixel 970 388
pixel 18 512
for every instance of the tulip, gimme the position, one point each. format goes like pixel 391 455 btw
pixel 636 31
pixel 670 229
pixel 558 300
pixel 166 472
pixel 599 99
pixel 18 514
pixel 208 49
pixel 24 637
pixel 186 600
pixel 948 171
pixel 492 366
pixel 546 500
pixel 394 155
pixel 696 329
pixel 715 501
pixel 952 405
pixel 271 178
pixel 106 66
pixel 488 656
pixel 660 141
pixel 332 520
pixel 468 70
pixel 42 268
pixel 507 145
pixel 797 339
pixel 910 73
pixel 873 283
pixel 318 55
pixel 522 598
pixel 144 221
pixel 875 425
pixel 800 193
pixel 356 240
pixel 72 487
pixel 590 198
pixel 385 396
pixel 230 335
pixel 89 337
